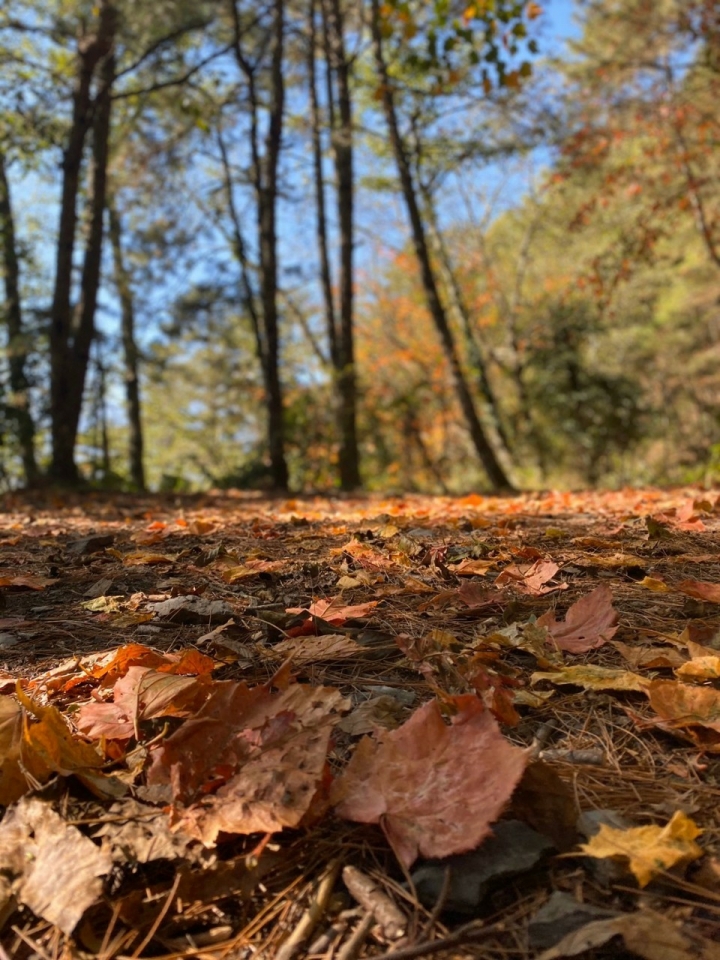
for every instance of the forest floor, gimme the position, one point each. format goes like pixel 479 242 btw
pixel 239 727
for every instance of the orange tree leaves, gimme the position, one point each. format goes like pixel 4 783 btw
pixel 434 788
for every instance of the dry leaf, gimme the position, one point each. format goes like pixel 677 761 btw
pixel 335 612
pixel 589 623
pixel 651 850
pixel 331 646
pixel 434 788
pixel 531 579
pixel 26 582
pixel 700 668
pixel 684 705
pixel 700 590
pixel 142 694
pixel 260 753
pixel 657 586
pixel 590 677
pixel 56 871
pixel 645 933
pixel 650 658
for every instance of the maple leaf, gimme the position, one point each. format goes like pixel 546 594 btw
pixel 650 849
pixel 434 788
pixel 260 752
pixel 589 623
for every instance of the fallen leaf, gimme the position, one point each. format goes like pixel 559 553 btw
pixel 434 788
pixel 251 568
pixel 335 612
pixel 330 646
pixel 657 586
pixel 646 934
pixel 590 677
pixel 700 668
pixel 57 872
pixel 27 582
pixel 49 746
pixel 531 579
pixel 142 694
pixel 700 590
pixel 147 559
pixel 260 753
pixel 684 704
pixel 382 711
pixel 472 568
pixel 651 850
pixel 13 782
pixel 589 623
pixel 650 658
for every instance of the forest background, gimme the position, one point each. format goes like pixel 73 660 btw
pixel 403 245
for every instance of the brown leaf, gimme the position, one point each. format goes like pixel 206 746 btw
pixel 700 590
pixel 13 783
pixel 335 612
pixel 650 658
pixel 434 788
pixel 646 934
pixel 531 579
pixel 56 870
pixel 260 752
pixel 26 582
pixel 142 694
pixel 589 623
pixel 330 646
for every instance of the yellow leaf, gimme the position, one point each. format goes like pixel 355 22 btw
pixel 650 850
pixel 595 678
pixel 657 586
pixel 700 668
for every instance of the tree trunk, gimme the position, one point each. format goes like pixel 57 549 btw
pixel 325 275
pixel 71 337
pixel 264 174
pixel 18 407
pixel 342 144
pixel 130 352
pixel 267 230
pixel 496 474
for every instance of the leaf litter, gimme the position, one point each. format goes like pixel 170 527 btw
pixel 285 688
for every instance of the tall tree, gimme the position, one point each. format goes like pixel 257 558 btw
pixel 499 480
pixel 18 405
pixel 126 297
pixel 264 176
pixel 72 330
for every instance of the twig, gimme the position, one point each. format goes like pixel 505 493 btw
pixel 369 895
pixel 312 915
pixel 159 918
pixel 357 938
pixel 465 934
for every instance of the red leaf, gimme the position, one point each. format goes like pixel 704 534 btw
pixel 434 788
